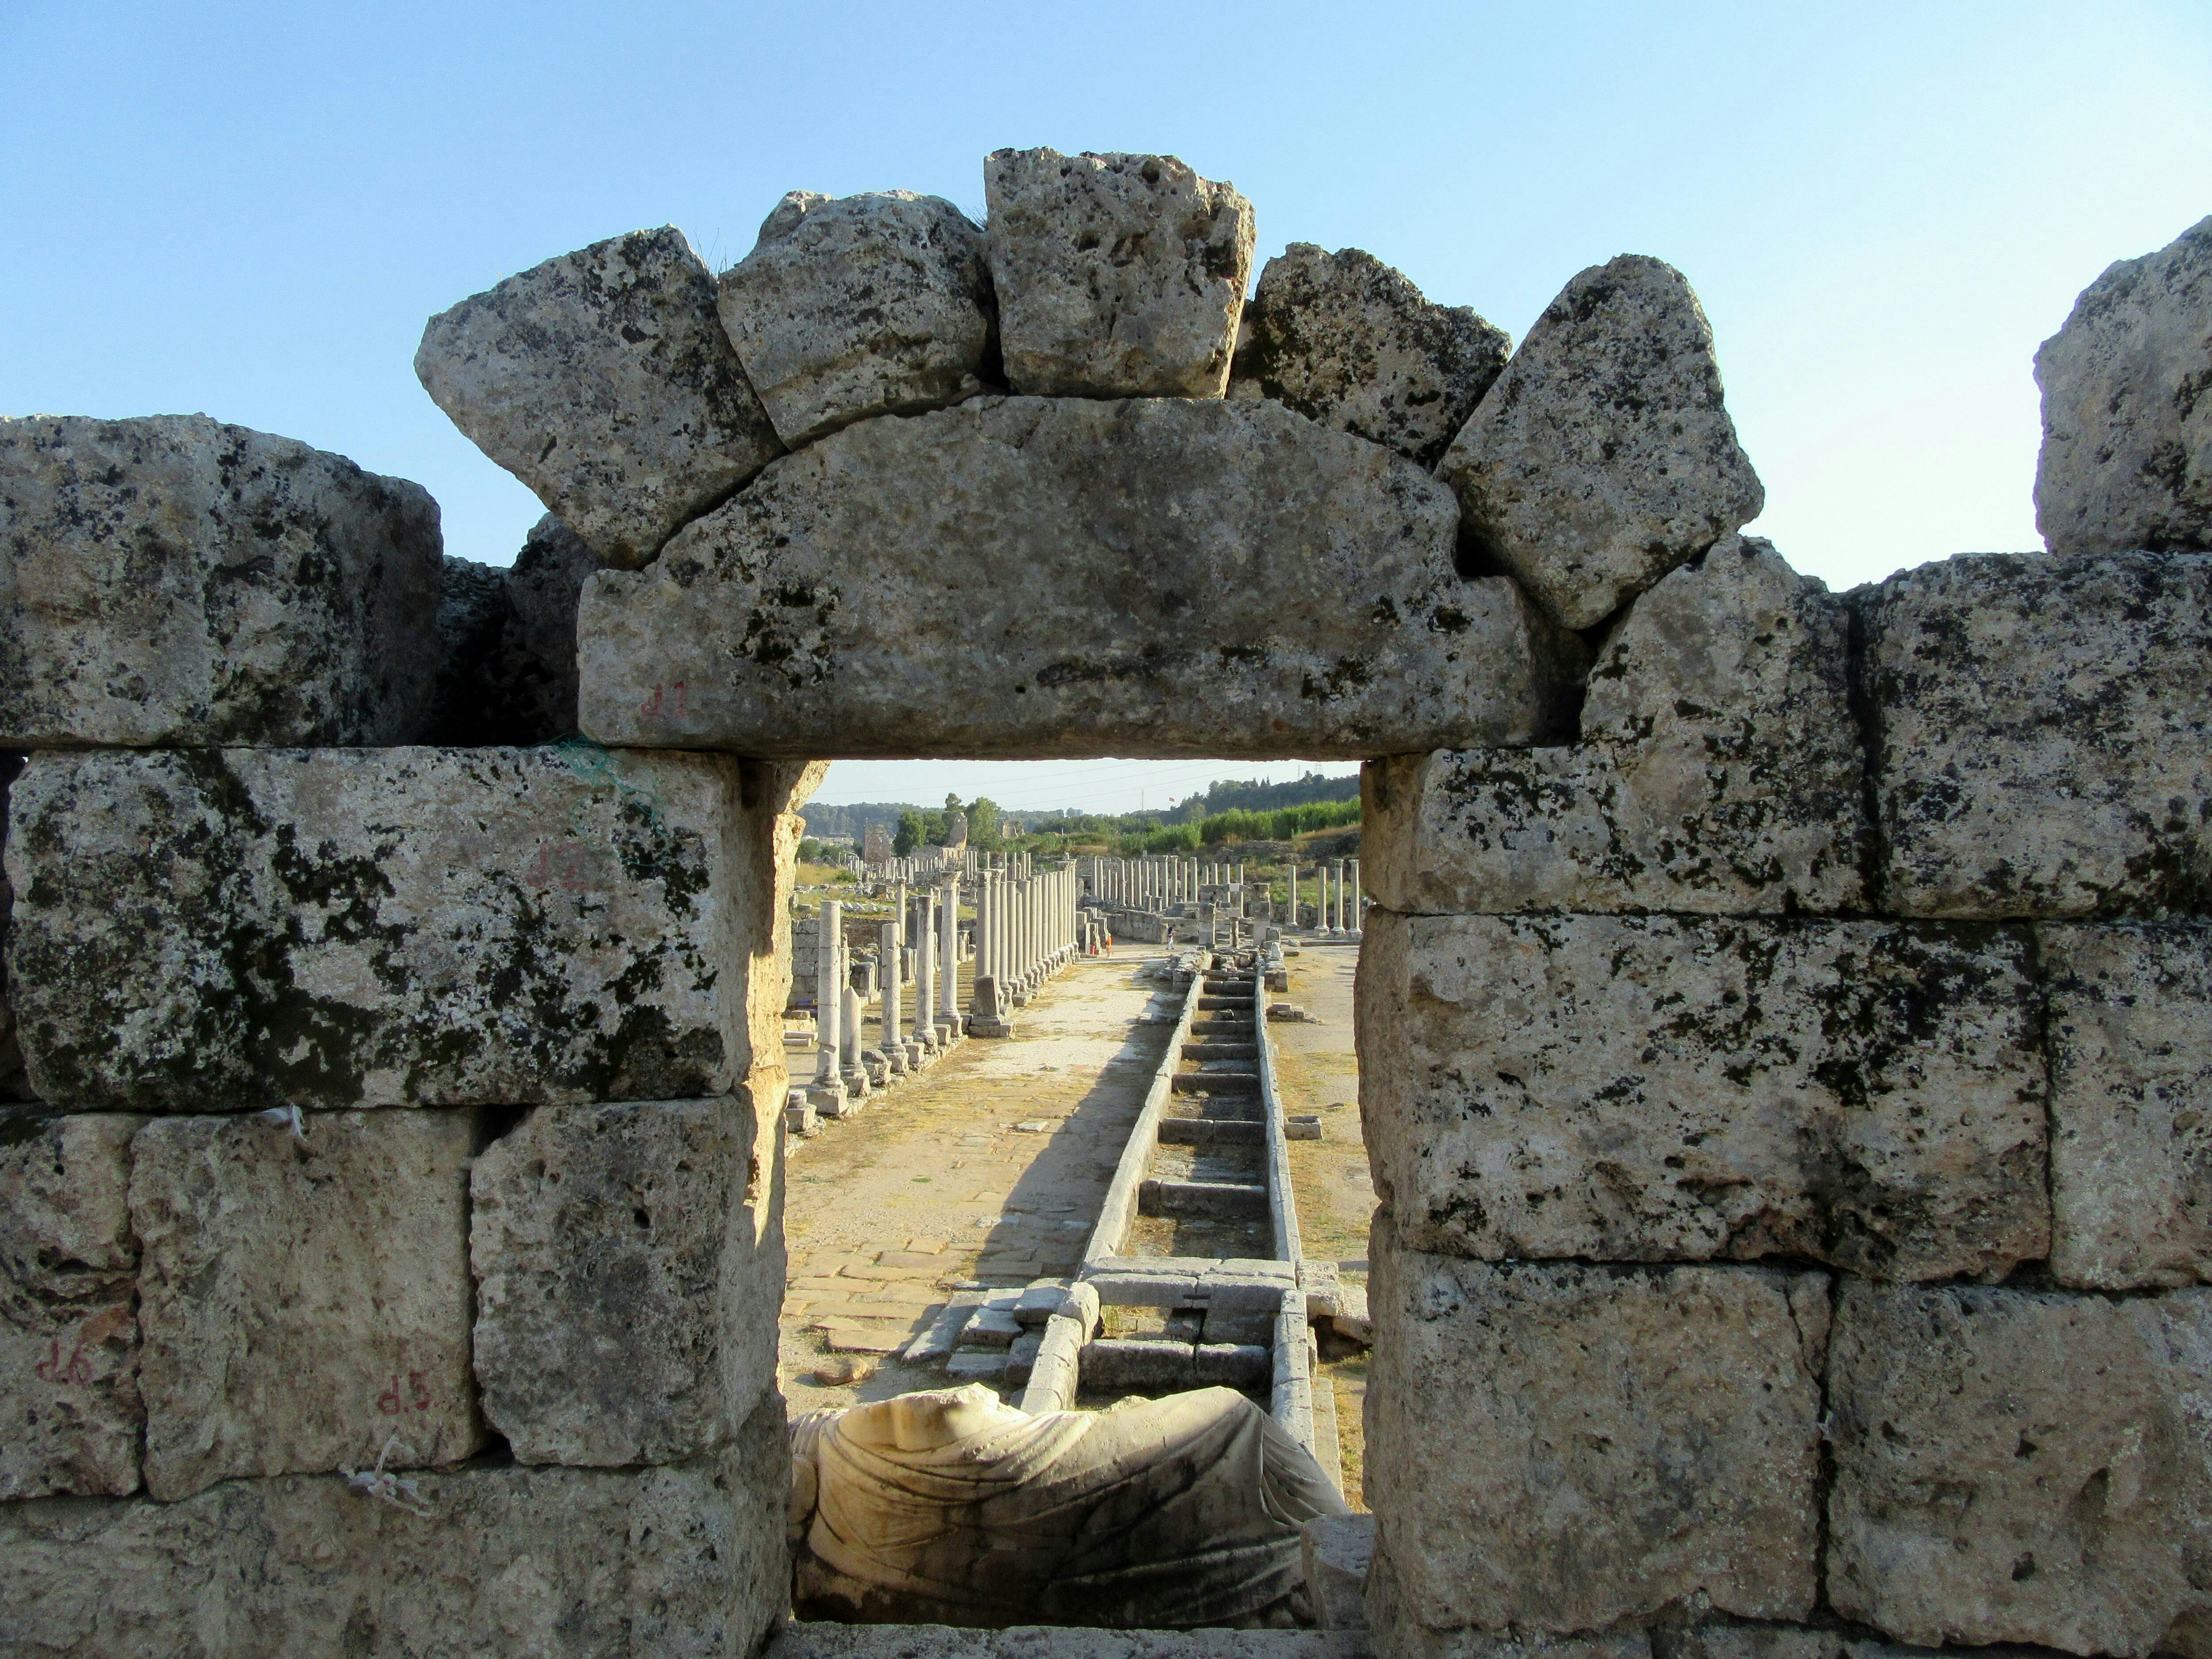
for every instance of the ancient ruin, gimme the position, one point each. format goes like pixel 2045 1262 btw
pixel 1785 1016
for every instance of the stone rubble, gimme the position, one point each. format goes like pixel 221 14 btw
pixel 175 580
pixel 873 305
pixel 2127 428
pixel 1117 276
pixel 1344 340
pixel 604 381
pixel 1603 457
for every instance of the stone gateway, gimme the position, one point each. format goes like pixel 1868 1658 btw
pixel 1786 1020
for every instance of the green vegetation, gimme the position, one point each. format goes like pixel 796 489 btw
pixel 1228 810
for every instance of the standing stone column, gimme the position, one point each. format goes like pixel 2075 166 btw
pixel 1351 891
pixel 987 912
pixel 829 1002
pixel 893 1040
pixel 848 1041
pixel 925 971
pixel 948 965
pixel 1294 921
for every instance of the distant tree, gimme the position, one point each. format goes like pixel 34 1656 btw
pixel 983 825
pixel 908 836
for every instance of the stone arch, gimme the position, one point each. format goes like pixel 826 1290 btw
pixel 1766 1020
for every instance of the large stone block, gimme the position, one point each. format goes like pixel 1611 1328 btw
pixel 671 1562
pixel 596 1240
pixel 506 642
pixel 174 580
pixel 1657 1088
pixel 1117 276
pixel 68 1334
pixel 871 305
pixel 1344 340
pixel 407 927
pixel 2129 1030
pixel 2022 1466
pixel 14 1085
pixel 1155 576
pixel 2127 427
pixel 604 381
pixel 2043 742
pixel 1604 457
pixel 1560 1447
pixel 303 1296
pixel 1720 769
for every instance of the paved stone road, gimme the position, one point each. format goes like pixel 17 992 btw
pixel 990 1169
pixel 1320 1073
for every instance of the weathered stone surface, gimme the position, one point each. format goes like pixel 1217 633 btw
pixel 407 927
pixel 1604 457
pixel 2127 426
pixel 1117 276
pixel 1154 576
pixel 1720 771
pixel 595 1238
pixel 175 580
pixel 1656 1088
pixel 1559 1447
pixel 303 1296
pixel 871 305
pixel 567 1563
pixel 2129 1030
pixel 69 1335
pixel 821 1639
pixel 1344 340
pixel 2017 1466
pixel 1752 1641
pixel 603 381
pixel 2043 741
pixel 13 1084
pixel 506 642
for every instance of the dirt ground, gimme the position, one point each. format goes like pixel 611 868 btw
pixel 1319 1072
pixel 988 1170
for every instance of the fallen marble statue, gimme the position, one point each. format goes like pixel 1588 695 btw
pixel 953 1508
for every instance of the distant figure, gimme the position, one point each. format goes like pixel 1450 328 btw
pixel 954 1508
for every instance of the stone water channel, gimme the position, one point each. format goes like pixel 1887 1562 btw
pixel 1132 1230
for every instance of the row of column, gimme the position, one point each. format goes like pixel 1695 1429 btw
pixel 931 863
pixel 1026 926
pixel 1337 902
pixel 1155 882
pixel 926 922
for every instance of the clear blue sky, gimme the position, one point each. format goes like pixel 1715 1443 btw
pixel 251 210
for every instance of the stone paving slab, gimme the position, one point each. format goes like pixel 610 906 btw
pixel 934 1158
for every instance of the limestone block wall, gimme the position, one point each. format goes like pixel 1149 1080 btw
pixel 390 1205
pixel 1785 1108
